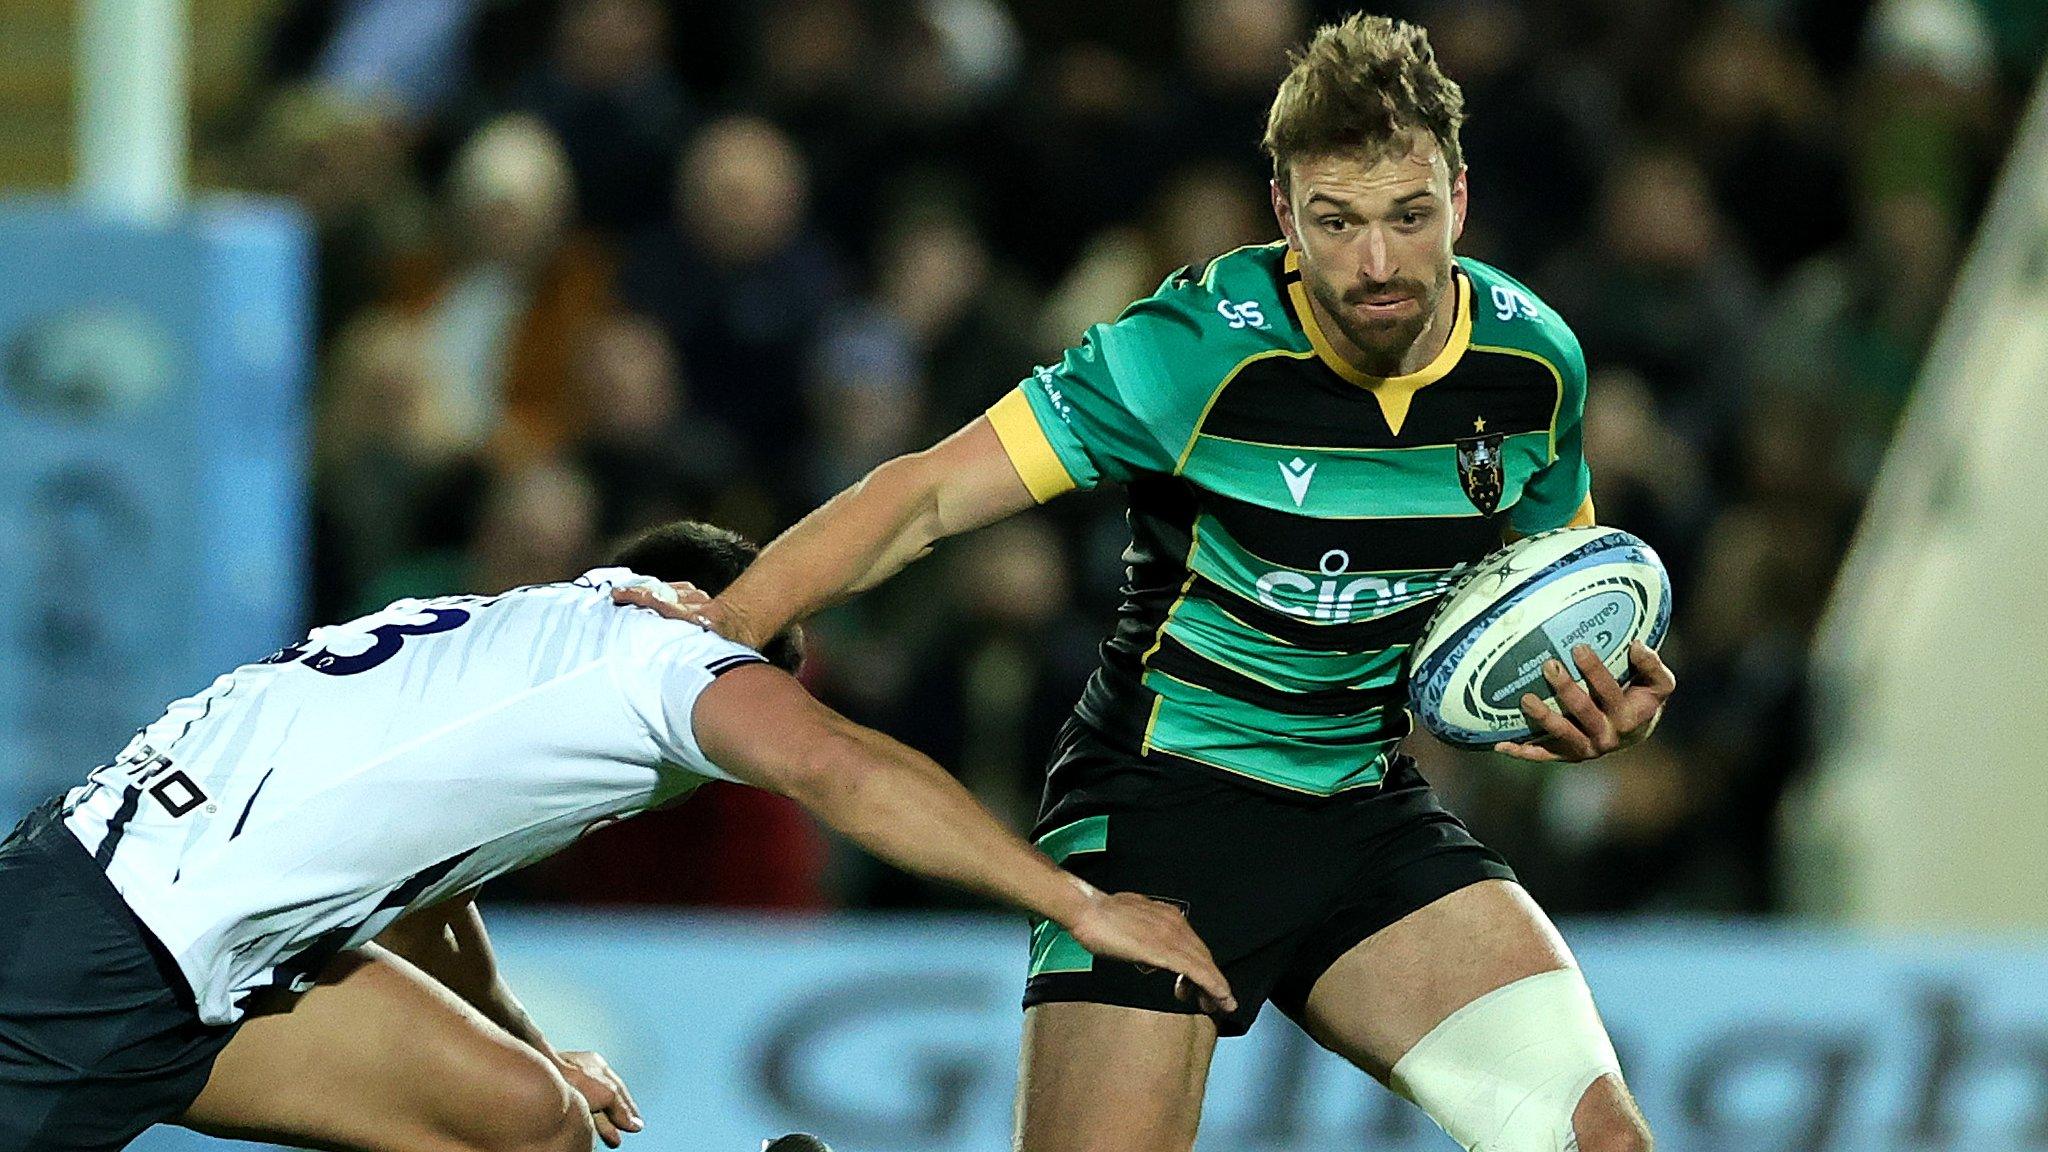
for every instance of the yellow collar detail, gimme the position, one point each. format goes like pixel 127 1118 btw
pixel 1394 393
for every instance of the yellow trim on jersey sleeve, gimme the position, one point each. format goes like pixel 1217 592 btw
pixel 1030 452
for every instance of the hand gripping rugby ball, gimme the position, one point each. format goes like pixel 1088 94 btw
pixel 1533 600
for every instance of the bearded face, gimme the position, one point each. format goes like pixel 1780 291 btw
pixel 1374 233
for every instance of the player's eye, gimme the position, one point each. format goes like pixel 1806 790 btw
pixel 1413 218
pixel 1334 223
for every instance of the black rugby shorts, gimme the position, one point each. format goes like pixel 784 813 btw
pixel 1278 885
pixel 99 1038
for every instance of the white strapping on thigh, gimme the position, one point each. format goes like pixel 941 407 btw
pixel 1505 1072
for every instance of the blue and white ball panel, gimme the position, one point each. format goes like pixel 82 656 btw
pixel 1529 603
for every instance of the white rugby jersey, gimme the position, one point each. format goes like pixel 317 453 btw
pixel 300 805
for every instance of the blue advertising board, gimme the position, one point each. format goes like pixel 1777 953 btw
pixel 899 1035
pixel 152 468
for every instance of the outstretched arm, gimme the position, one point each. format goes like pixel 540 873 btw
pixel 448 943
pixel 758 724
pixel 867 533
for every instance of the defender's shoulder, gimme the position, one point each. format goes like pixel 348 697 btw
pixel 1506 314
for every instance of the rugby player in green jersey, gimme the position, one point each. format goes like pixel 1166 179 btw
pixel 1315 435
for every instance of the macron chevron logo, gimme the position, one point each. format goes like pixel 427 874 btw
pixel 1298 473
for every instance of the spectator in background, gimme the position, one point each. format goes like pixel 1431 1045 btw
pixel 1633 45
pixel 1539 129
pixel 1201 212
pixel 652 459
pixel 1925 106
pixel 386 447
pixel 1852 325
pixel 1759 119
pixel 741 282
pixel 982 685
pixel 957 306
pixel 1234 53
pixel 996 692
pixel 405 53
pixel 538 522
pixel 1748 628
pixel 815 66
pixel 1645 475
pixel 1114 268
pixel 879 94
pixel 606 91
pixel 1088 154
pixel 938 104
pixel 1660 289
pixel 517 286
pixel 344 162
pixel 863 399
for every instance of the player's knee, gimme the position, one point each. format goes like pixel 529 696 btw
pixel 1606 1120
pixel 1162 1136
pixel 1538 1048
pixel 575 1133
pixel 1623 1136
pixel 551 1118
pixel 528 1107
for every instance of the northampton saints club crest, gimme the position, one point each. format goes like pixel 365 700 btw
pixel 1479 471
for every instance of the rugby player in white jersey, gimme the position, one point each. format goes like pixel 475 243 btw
pixel 258 921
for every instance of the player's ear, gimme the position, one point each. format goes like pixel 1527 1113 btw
pixel 1283 211
pixel 1459 196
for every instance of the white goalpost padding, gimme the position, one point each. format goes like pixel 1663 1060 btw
pixel 133 96
pixel 1930 790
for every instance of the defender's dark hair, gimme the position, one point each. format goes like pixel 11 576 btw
pixel 709 557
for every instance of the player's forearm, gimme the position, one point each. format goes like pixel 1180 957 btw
pixel 867 533
pixel 455 950
pixel 909 811
pixel 858 539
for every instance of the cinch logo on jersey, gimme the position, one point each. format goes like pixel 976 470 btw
pixel 1337 600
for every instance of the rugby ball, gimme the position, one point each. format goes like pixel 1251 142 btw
pixel 1532 601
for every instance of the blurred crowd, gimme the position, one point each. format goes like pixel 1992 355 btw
pixel 590 264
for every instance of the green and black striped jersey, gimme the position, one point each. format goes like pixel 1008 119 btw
pixel 1293 520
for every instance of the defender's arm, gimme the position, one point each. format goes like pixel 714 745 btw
pixel 448 943
pixel 759 725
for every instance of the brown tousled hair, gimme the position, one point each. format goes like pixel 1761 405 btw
pixel 1363 83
